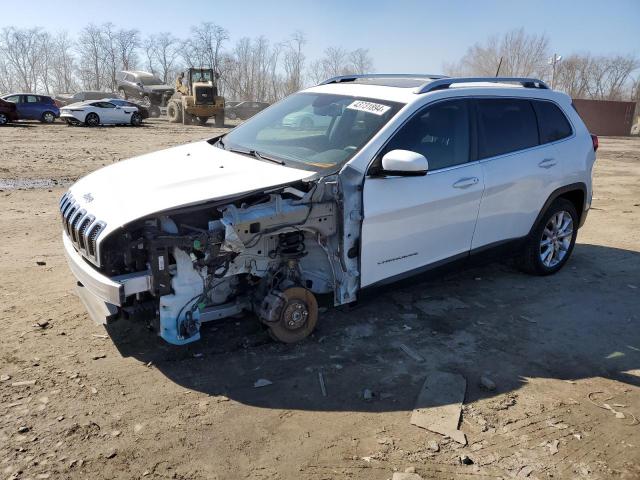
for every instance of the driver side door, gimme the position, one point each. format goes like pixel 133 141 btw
pixel 412 223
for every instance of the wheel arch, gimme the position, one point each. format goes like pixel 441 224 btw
pixel 576 193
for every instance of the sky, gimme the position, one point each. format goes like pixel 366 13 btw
pixel 401 36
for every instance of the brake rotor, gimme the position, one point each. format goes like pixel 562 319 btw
pixel 298 316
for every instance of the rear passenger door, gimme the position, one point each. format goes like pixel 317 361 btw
pixel 519 173
pixel 31 107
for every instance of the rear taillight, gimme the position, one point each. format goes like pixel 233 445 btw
pixel 594 142
pixel 57 104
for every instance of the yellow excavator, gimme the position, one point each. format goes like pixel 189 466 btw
pixel 196 99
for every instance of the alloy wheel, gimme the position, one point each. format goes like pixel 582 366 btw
pixel 556 239
pixel 3 119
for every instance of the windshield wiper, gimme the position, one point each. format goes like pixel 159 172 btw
pixel 260 156
pixel 254 154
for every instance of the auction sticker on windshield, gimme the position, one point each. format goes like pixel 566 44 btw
pixel 369 107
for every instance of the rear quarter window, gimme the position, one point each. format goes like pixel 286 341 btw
pixel 552 123
pixel 505 125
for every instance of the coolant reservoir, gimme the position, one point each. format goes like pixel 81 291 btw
pixel 176 309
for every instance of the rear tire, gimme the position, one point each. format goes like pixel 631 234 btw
pixel 136 119
pixel 3 119
pixel 202 120
pixel 48 117
pixel 551 242
pixel 92 120
pixel 174 112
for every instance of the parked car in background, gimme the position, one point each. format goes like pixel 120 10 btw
pixel 144 86
pixel 244 110
pixel 306 119
pixel 94 113
pixel 144 111
pixel 230 104
pixel 64 99
pixel 34 107
pixel 8 112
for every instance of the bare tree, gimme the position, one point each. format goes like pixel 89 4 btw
pixel 517 53
pixel 294 61
pixel 204 47
pixel 166 53
pixel 361 62
pixel 23 54
pixel 600 78
pixel 127 44
pixel 90 47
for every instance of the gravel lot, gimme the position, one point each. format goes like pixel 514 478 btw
pixel 78 401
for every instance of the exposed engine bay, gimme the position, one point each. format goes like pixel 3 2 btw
pixel 270 253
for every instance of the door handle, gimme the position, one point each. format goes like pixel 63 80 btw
pixel 547 163
pixel 466 182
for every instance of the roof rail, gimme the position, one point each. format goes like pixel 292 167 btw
pixel 353 78
pixel 442 83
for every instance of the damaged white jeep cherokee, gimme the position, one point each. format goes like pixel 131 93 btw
pixel 353 183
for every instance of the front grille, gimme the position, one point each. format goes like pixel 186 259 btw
pixel 81 227
pixel 204 95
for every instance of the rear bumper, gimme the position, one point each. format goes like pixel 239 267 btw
pixel 113 291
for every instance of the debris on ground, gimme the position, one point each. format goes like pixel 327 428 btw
pixel 465 460
pixel 441 306
pixel 23 429
pixel 553 446
pixel 24 383
pixel 433 446
pixel 406 476
pixel 439 405
pixel 98 356
pixel 525 471
pixel 367 395
pixel 617 413
pixel 487 384
pixel 262 382
pixel 323 388
pixel 41 263
pixel 411 353
pixel 5 378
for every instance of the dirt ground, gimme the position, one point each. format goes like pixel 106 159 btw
pixel 80 401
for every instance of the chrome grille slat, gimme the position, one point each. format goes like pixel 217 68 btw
pixel 82 230
pixel 73 222
pixel 81 227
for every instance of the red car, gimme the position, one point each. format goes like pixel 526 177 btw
pixel 8 112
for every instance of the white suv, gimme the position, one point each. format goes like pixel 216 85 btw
pixel 393 175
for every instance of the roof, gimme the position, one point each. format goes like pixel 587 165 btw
pixel 407 88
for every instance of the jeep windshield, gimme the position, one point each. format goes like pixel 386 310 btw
pixel 313 131
pixel 146 81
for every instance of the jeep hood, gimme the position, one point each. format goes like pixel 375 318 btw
pixel 186 175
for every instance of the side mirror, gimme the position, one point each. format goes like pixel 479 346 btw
pixel 404 163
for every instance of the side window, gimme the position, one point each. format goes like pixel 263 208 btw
pixel 439 132
pixel 552 123
pixel 13 99
pixel 32 99
pixel 505 125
